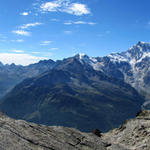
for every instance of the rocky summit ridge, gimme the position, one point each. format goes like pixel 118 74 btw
pixel 21 135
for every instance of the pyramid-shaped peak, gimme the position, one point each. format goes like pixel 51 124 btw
pixel 141 47
pixel 81 56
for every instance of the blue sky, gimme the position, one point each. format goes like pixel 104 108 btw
pixel 31 30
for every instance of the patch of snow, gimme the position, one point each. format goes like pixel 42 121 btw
pixel 93 59
pixel 81 55
pixel 117 58
pixel 144 56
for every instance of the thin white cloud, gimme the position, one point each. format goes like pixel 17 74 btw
pixel 68 32
pixel 54 49
pixel 21 29
pixel 91 23
pixel 67 6
pixel 25 26
pixel 79 22
pixel 68 23
pixel 18 40
pixel 21 32
pixel 19 59
pixel 45 43
pixel 24 13
pixel 35 52
pixel 55 20
pixel 84 22
pixel 17 51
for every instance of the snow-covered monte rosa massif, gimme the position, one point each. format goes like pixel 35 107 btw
pixel 132 66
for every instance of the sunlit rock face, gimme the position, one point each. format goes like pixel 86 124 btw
pixel 133 135
pixel 21 135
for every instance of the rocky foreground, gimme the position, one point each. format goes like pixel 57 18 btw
pixel 21 135
pixel 133 135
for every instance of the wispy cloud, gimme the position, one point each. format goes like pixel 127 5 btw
pixel 18 40
pixel 35 52
pixel 25 26
pixel 45 43
pixel 21 32
pixel 19 59
pixel 55 20
pixel 17 51
pixel 68 32
pixel 22 29
pixel 79 22
pixel 67 6
pixel 54 49
pixel 24 13
pixel 50 6
pixel 68 23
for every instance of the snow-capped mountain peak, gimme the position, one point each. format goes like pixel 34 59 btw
pixel 83 58
pixel 135 54
pixel 80 56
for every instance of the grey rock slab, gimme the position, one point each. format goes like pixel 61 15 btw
pixel 20 135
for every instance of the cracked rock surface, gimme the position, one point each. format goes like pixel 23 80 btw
pixel 20 135
pixel 133 135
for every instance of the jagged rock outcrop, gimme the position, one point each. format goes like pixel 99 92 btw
pixel 20 135
pixel 133 135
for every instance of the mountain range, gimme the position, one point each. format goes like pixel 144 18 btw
pixel 81 91
pixel 11 75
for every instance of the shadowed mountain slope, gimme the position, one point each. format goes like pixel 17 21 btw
pixel 10 75
pixel 73 95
